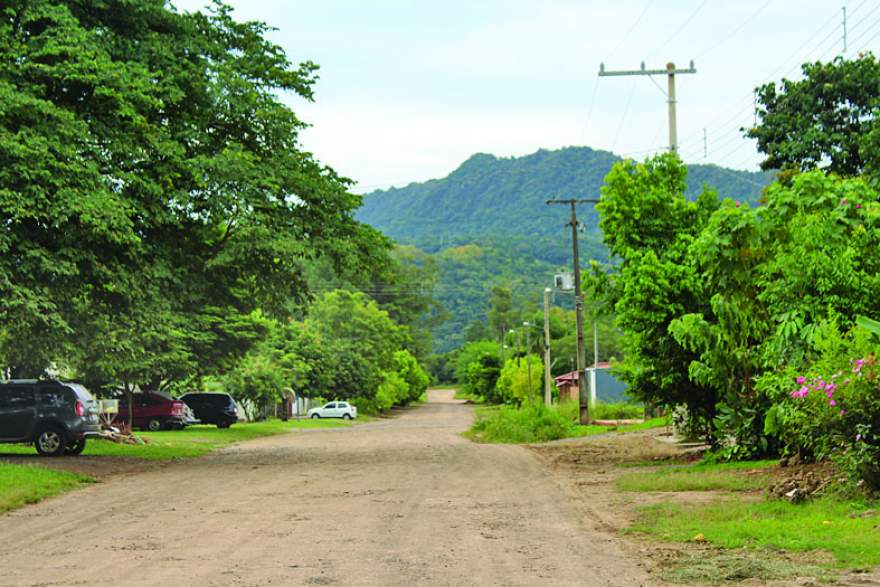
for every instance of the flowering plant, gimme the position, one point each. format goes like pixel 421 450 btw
pixel 836 416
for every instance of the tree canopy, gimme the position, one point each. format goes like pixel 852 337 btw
pixel 825 120
pixel 153 193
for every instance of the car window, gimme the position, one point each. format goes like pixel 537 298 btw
pixel 52 396
pixel 17 397
pixel 343 405
pixel 330 406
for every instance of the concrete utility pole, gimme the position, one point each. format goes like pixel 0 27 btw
pixel 529 359
pixel 547 346
pixel 503 328
pixel 670 72
pixel 583 395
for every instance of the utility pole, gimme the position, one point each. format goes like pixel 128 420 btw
pixel 502 346
pixel 670 72
pixel 518 345
pixel 547 346
pixel 529 359
pixel 583 396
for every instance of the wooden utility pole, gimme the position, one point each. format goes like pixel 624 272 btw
pixel 670 72
pixel 547 396
pixel 583 394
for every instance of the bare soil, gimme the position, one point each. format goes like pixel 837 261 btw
pixel 393 502
pixel 587 468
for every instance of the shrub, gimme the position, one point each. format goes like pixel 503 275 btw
pixel 833 410
pixel 530 423
pixel 412 374
pixel 513 383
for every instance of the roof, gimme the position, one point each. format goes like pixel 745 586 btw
pixel 572 376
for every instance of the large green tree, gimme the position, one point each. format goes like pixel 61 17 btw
pixel 825 120
pixel 649 224
pixel 153 185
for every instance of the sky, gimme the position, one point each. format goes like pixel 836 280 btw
pixel 408 90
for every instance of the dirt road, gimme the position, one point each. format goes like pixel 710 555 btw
pixel 403 501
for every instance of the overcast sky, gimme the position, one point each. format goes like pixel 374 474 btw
pixel 410 89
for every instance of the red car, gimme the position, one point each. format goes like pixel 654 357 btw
pixel 153 410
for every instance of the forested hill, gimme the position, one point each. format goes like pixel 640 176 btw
pixel 489 224
pixel 488 196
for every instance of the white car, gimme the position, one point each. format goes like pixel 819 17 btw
pixel 343 410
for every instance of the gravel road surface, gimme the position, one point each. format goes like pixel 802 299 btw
pixel 400 501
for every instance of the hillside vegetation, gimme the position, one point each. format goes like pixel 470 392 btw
pixel 488 223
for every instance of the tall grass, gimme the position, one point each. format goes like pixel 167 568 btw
pixel 537 423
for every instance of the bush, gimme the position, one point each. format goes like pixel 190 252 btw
pixel 832 411
pixel 412 374
pixel 513 383
pixel 530 423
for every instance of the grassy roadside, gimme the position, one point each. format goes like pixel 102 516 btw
pixel 193 441
pixel 750 537
pixel 536 423
pixel 22 484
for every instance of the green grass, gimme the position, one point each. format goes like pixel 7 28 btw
pixel 193 441
pixel 24 484
pixel 699 477
pixel 536 423
pixel 848 531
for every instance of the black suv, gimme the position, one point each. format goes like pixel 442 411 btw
pixel 212 408
pixel 56 416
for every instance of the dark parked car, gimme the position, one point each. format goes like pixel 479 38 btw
pixel 212 408
pixel 153 410
pixel 55 416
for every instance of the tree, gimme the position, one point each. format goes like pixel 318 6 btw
pixel 649 224
pixel 513 382
pixel 824 120
pixel 501 314
pixel 153 183
pixel 354 318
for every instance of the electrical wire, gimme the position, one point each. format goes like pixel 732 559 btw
pixel 683 26
pixel 736 30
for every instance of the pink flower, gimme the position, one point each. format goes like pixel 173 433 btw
pixel 858 206
pixel 832 403
pixel 801 380
pixel 842 412
pixel 738 204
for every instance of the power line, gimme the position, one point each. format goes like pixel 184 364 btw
pixel 632 89
pixel 736 30
pixel 682 27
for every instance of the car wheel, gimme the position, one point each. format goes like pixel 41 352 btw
pixel 346 416
pixel 224 424
pixel 315 416
pixel 75 448
pixel 51 441
pixel 154 425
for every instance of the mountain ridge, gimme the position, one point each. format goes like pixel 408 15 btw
pixel 499 205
